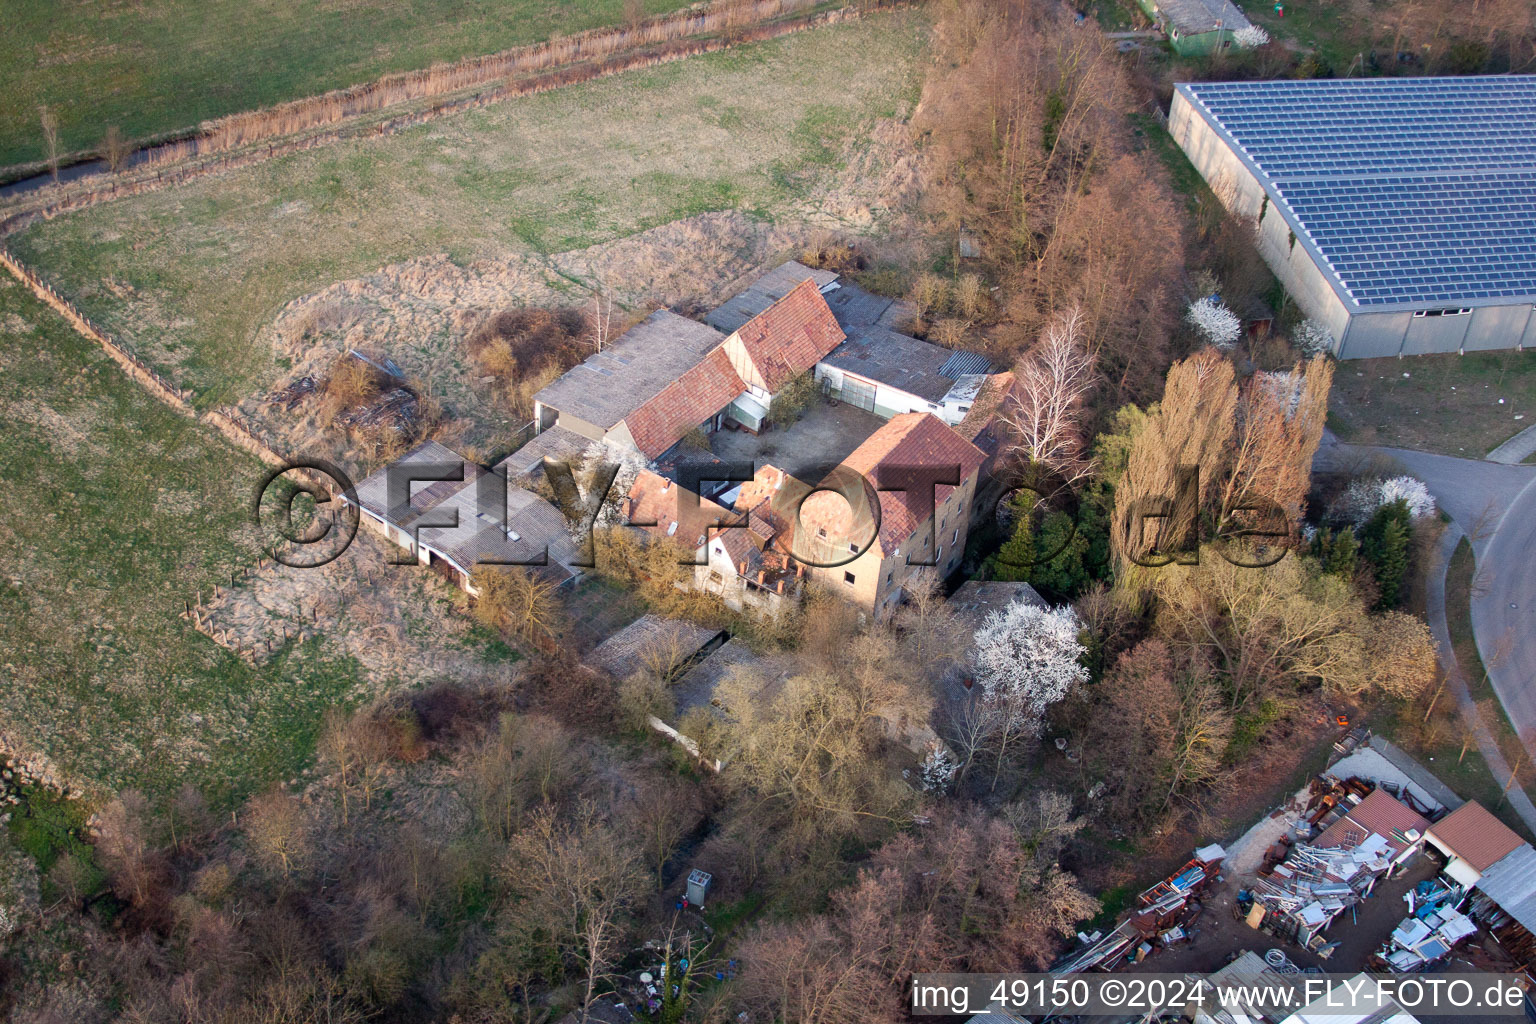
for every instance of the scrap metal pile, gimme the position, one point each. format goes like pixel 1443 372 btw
pixel 1433 927
pixel 1162 917
pixel 1314 885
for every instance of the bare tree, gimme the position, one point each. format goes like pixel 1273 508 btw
pixel 115 149
pixel 1043 411
pixel 279 835
pixel 50 124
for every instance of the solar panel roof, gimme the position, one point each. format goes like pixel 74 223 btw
pixel 1411 192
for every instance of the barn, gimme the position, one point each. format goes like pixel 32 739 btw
pixel 1398 212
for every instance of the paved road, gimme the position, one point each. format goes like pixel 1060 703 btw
pixel 1495 506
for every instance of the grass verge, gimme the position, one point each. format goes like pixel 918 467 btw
pixel 1455 405
pixel 157 67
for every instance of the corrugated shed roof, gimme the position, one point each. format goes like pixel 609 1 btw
pixel 650 639
pixel 1192 17
pixel 698 393
pixel 907 364
pixel 790 336
pixel 556 444
pixel 531 525
pixel 764 292
pixel 1511 883
pixel 1475 835
pixel 609 385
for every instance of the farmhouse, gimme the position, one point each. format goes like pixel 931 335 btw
pixel 868 554
pixel 1398 212
pixel 452 525
pixel 1196 27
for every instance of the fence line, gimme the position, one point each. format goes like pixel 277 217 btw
pixel 229 423
pixel 55 203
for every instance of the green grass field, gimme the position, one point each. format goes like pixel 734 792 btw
pixel 188 276
pixel 158 66
pixel 113 510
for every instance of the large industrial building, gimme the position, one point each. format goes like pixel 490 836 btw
pixel 1400 212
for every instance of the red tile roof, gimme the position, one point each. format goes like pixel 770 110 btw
pixel 1475 835
pixel 1380 813
pixel 914 439
pixel 698 394
pixel 791 336
pixel 686 522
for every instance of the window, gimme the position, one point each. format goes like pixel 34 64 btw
pixel 715 577
pixel 821 531
pixel 938 556
pixel 889 575
pixel 848 578
pixel 1442 312
pixel 854 548
pixel 954 538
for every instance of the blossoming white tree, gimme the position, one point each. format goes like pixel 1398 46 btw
pixel 1216 323
pixel 1249 37
pixel 1313 338
pixel 939 769
pixel 1366 495
pixel 1026 658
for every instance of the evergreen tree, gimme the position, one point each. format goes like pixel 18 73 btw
pixel 1384 544
pixel 1337 551
pixel 1015 560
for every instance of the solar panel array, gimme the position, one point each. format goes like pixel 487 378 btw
pixel 1415 191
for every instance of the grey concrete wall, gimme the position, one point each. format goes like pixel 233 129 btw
pixel 1228 177
pixel 1427 334
pixel 1372 335
pixel 1495 327
pixel 1303 281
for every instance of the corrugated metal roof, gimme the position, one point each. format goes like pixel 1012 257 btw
pixel 961 363
pixel 1511 883
pixel 613 383
pixel 1191 17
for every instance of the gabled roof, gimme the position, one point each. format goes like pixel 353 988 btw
pixel 1378 814
pixel 529 527
pixel 790 336
pixel 697 394
pixel 685 521
pixel 1475 835
pixel 764 292
pixel 609 385
pixel 914 439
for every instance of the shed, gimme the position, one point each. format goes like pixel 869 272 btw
pixel 1473 841
pixel 653 642
pixel 1504 902
pixel 1196 27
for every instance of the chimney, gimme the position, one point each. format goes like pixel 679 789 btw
pixel 760 575
pixel 781 586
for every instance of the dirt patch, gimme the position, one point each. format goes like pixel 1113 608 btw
pixel 399 622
